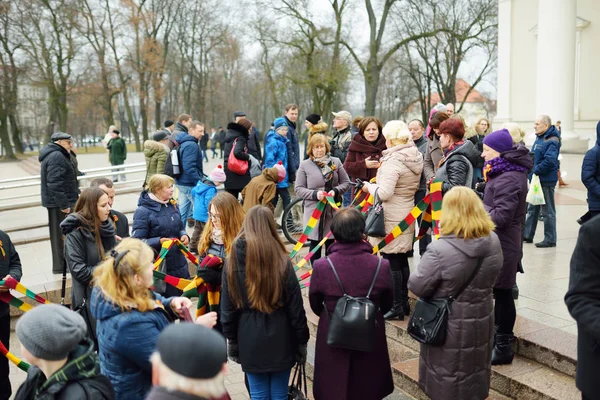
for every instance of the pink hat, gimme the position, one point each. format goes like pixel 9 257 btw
pixel 217 174
pixel 281 173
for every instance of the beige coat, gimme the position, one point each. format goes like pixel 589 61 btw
pixel 398 179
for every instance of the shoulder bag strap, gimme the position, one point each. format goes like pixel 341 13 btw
pixel 336 276
pixel 452 298
pixel 63 289
pixel 374 278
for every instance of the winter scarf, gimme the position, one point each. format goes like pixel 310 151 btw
pixel 326 165
pixel 449 150
pixel 500 165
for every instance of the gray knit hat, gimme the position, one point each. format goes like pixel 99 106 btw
pixel 51 332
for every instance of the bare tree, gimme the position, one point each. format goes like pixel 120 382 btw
pixel 378 53
pixel 468 27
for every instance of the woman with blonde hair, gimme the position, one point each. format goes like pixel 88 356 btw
pixel 476 135
pixel 262 313
pixel 317 176
pixel 226 217
pixel 467 248
pixel 130 317
pixel 157 220
pixel 516 132
pixel 398 180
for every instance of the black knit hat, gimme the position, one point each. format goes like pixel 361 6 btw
pixel 313 118
pixel 191 350
pixel 168 123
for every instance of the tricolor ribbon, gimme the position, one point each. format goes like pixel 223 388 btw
pixel 14 359
pixel 14 284
pixel 13 301
pixel 2 250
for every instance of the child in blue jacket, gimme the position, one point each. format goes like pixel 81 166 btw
pixel 203 193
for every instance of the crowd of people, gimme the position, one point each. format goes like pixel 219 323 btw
pixel 119 341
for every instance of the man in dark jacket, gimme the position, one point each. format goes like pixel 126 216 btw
pixel 64 365
pixel 545 165
pixel 254 138
pixel 583 302
pixel 10 266
pixel 183 124
pixel 189 363
pixel 417 131
pixel 590 175
pixel 342 137
pixel 291 116
pixel 190 158
pixel 59 191
pixel 118 154
pixel 119 220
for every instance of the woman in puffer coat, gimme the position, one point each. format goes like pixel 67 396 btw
pixel 238 134
pixel 461 367
pixel 505 173
pixel 398 180
pixel 89 236
pixel 157 220
pixel 321 174
pixel 130 317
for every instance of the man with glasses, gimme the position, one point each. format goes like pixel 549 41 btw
pixel 59 190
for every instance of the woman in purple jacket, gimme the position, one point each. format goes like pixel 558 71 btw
pixel 341 374
pixel 505 173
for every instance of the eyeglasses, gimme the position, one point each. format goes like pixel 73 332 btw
pixel 214 216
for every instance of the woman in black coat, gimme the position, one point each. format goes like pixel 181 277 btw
pixel 505 173
pixel 262 310
pixel 89 236
pixel 237 133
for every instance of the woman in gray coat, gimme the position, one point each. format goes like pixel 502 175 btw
pixel 319 175
pixel 461 367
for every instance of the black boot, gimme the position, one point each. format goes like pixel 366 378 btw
pixel 515 292
pixel 405 304
pixel 397 312
pixel 503 352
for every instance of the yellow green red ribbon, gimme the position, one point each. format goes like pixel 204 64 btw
pixel 14 359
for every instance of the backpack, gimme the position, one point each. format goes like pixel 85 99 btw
pixel 353 324
pixel 173 166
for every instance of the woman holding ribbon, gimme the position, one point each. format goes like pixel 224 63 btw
pixel 319 176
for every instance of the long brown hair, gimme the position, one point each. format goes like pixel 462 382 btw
pixel 86 210
pixel 266 262
pixel 231 215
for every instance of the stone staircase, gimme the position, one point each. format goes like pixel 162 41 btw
pixel 543 368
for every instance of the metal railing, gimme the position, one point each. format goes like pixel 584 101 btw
pixel 35 180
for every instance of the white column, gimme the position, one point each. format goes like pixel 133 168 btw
pixel 504 60
pixel 555 80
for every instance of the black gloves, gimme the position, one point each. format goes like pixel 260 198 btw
pixel 301 354
pixel 233 352
pixel 210 275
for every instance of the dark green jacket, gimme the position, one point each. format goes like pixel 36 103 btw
pixel 118 151
pixel 80 379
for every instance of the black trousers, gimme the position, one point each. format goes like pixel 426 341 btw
pixel 5 389
pixel 57 241
pixel 505 313
pixel 425 240
pixel 234 192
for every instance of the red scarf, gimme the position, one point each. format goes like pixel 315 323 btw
pixel 449 149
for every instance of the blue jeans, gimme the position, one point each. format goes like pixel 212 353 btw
pixel 347 198
pixel 533 213
pixel 186 203
pixel 269 385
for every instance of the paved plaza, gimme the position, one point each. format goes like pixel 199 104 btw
pixel 542 286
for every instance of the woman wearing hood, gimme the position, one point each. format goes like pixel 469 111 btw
pixel 156 152
pixel 398 180
pixel 365 150
pixel 505 173
pixel 157 220
pixel 236 139
pixel 89 236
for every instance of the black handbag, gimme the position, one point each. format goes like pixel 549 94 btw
pixel 353 324
pixel 298 390
pixel 429 322
pixel 375 222
pixel 83 309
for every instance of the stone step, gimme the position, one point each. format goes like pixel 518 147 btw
pixel 525 378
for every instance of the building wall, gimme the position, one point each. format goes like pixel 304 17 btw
pixel 524 64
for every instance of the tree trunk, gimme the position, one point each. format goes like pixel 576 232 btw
pixel 371 88
pixel 16 133
pixel 5 139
